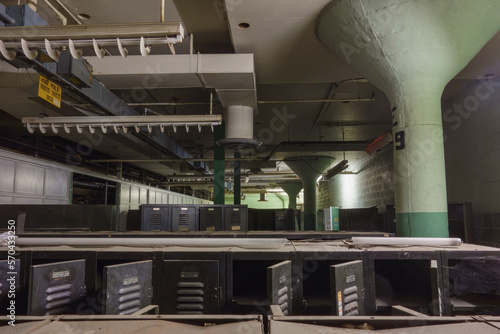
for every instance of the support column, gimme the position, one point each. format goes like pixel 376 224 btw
pixel 419 166
pixel 219 165
pixel 292 190
pixel 237 179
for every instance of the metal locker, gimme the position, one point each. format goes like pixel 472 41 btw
pixel 236 217
pixel 56 288
pixel 128 287
pixel 184 218
pixel 191 287
pixel 279 286
pixel 211 218
pixel 347 288
pixel 155 218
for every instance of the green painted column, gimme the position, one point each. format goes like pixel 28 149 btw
pixel 419 166
pixel 219 165
pixel 292 189
pixel 309 169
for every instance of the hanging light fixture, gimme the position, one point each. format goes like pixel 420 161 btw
pixel 120 123
pixel 52 39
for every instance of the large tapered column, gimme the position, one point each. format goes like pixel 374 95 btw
pixel 411 50
pixel 292 189
pixel 309 169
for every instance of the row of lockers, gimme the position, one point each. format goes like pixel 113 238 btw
pixel 225 283
pixel 173 217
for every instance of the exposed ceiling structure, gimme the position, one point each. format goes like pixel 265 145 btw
pixel 308 101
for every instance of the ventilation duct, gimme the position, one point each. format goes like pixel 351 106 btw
pixel 239 129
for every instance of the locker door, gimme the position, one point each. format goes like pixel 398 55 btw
pixel 56 288
pixel 184 218
pixel 128 287
pixel 191 287
pixel 437 304
pixel 279 286
pixel 347 288
pixel 155 218
pixel 211 218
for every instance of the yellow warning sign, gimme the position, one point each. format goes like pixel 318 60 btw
pixel 49 91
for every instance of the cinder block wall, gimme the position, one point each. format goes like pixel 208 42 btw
pixel 372 185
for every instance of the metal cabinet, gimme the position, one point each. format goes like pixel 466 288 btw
pixel 184 218
pixel 155 218
pixel 211 217
pixel 236 217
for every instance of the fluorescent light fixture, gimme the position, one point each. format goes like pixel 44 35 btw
pixel 96 37
pixel 117 123
pixel 389 241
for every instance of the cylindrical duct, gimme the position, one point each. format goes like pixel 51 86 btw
pixel 239 122
pixel 411 50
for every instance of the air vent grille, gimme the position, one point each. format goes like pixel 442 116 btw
pixel 190 297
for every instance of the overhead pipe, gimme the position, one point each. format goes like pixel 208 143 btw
pixel 411 50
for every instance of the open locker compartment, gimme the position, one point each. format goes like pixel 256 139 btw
pixel 127 287
pixel 323 279
pixel 211 217
pixel 258 283
pixel 56 288
pixel 473 285
pixel 412 283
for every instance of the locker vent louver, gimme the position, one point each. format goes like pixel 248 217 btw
pixel 235 218
pixel 283 295
pixel 130 299
pixel 57 297
pixel 211 219
pixel 190 297
pixel 155 221
pixel 184 219
pixel 351 301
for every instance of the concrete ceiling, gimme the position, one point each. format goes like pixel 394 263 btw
pixel 290 65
